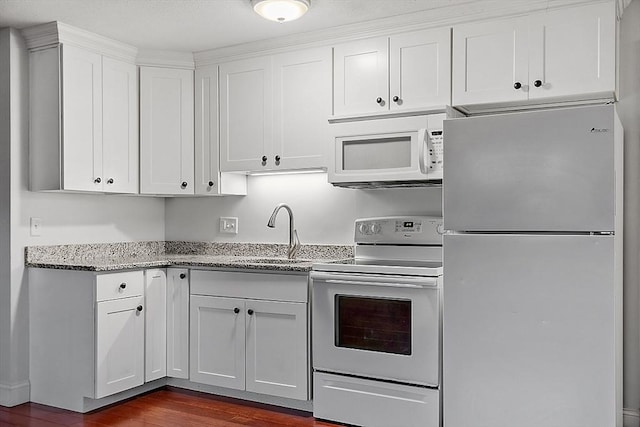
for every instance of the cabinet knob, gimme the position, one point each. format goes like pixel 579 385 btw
pixel 379 100
pixel 249 312
pixel 110 181
pixel 537 83
pixel 277 158
pixel 236 310
pixel 517 85
pixel 139 308
pixel 123 285
pixel 396 98
pixel 264 159
pixel 211 183
pixel 97 180
pixel 182 275
pixel 184 184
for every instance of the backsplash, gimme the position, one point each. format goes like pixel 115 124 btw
pixel 151 249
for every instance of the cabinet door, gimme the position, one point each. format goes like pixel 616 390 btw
pixel 302 105
pixel 489 58
pixel 420 69
pixel 277 361
pixel 360 71
pixel 81 119
pixel 207 153
pixel 246 110
pixel 166 131
pixel 155 338
pixel 119 345
pixel 178 322
pixel 217 352
pixel 572 52
pixel 208 179
pixel 119 126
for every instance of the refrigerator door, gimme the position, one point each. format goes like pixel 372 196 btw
pixel 549 170
pixel 529 331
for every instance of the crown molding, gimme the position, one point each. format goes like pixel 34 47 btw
pixel 441 17
pixel 55 33
pixel 165 59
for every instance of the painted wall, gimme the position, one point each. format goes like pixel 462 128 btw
pixel 323 214
pixel 5 216
pixel 629 111
pixel 67 218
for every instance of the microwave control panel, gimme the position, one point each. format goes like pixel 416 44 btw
pixel 390 230
pixel 435 150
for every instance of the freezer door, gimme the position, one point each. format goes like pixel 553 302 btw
pixel 529 331
pixel 549 170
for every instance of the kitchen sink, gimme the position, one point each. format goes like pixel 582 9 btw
pixel 277 261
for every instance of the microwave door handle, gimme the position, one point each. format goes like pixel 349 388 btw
pixel 423 141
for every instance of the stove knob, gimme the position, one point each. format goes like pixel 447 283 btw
pixel 363 228
pixel 376 228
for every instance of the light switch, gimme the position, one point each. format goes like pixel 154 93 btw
pixel 229 225
pixel 36 226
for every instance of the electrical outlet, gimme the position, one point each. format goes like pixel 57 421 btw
pixel 35 226
pixel 229 225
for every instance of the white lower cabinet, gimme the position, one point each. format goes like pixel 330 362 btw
pixel 249 332
pixel 87 335
pixel 178 323
pixel 119 353
pixel 155 337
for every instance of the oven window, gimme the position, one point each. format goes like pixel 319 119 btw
pixel 375 324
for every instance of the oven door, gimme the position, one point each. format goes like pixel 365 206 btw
pixel 377 326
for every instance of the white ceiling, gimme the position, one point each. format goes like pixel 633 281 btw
pixel 194 25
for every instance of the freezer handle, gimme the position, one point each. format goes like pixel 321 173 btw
pixel 374 280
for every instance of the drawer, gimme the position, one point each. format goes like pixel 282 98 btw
pixel 266 286
pixel 371 403
pixel 119 285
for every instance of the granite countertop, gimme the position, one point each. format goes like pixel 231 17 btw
pixel 136 255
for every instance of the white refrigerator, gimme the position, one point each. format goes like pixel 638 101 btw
pixel 532 294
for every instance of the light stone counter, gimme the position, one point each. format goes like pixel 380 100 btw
pixel 137 255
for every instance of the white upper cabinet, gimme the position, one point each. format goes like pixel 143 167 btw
pixel 301 107
pixel 208 178
pixel 560 55
pixel 166 131
pixel 274 111
pixel 120 126
pixel 245 114
pixel 83 121
pixel 361 77
pixel 403 72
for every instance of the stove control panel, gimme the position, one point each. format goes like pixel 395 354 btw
pixel 417 230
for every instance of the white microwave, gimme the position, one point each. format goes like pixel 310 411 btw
pixel 389 152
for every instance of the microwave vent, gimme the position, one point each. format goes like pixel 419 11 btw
pixel 372 185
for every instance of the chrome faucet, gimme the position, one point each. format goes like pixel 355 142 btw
pixel 294 242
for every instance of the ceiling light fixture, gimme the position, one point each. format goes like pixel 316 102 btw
pixel 281 10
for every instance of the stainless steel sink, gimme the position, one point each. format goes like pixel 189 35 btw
pixel 277 261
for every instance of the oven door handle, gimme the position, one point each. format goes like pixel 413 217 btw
pixel 394 282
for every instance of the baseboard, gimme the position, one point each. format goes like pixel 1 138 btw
pixel 631 417
pixel 12 395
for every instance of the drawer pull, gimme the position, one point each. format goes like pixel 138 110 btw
pixel 123 285
pixel 139 308
pixel 182 275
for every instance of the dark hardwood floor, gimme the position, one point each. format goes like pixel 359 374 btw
pixel 168 407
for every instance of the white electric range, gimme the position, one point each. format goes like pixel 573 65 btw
pixel 377 326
